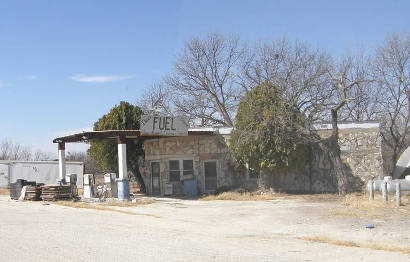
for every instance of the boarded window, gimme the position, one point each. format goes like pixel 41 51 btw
pixel 174 171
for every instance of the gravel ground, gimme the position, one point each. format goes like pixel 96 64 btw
pixel 190 230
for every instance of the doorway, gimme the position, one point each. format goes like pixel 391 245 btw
pixel 211 176
pixel 155 178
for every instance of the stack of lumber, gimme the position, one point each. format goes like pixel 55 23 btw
pixel 33 193
pixel 55 192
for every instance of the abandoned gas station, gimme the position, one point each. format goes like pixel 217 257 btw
pixel 189 161
pixel 178 160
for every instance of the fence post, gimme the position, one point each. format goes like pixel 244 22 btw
pixel 398 194
pixel 371 190
pixel 384 191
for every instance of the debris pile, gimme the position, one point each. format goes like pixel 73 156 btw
pixel 15 188
pixel 56 192
pixel 33 193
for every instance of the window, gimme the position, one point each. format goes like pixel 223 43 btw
pixel 175 171
pixel 188 166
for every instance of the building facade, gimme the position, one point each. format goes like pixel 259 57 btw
pixel 200 163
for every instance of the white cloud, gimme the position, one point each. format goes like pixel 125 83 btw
pixel 99 78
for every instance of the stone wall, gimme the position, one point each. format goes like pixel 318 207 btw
pixel 360 147
pixel 361 155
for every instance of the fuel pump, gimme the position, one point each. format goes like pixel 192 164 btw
pixel 89 182
pixel 109 180
pixel 71 179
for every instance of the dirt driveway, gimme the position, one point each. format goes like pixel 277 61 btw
pixel 192 230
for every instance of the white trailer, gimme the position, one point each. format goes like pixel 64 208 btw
pixel 46 172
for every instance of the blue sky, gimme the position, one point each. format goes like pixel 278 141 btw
pixel 63 64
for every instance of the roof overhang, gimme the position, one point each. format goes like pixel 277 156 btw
pixel 114 134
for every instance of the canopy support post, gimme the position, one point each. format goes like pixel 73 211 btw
pixel 122 180
pixel 61 163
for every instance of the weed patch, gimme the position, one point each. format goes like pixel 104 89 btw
pixel 359 205
pixel 374 246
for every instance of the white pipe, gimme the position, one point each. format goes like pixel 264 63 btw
pixel 391 185
pixel 61 164
pixel 122 161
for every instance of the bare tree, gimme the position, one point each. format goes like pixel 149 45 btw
pixel 296 69
pixel 90 166
pixel 158 99
pixel 41 156
pixel 203 85
pixel 6 148
pixel 392 71
pixel 13 151
pixel 366 105
pixel 348 74
pixel 10 150
pixel 310 81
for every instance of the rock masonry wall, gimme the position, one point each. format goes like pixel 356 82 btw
pixel 360 148
pixel 361 155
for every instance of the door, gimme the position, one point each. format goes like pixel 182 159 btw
pixel 155 178
pixel 211 176
pixel 4 175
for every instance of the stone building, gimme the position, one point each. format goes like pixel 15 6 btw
pixel 201 158
pixel 201 163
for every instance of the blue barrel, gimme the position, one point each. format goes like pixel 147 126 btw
pixel 190 188
pixel 123 189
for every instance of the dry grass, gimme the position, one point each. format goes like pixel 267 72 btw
pixel 130 204
pixel 247 196
pixel 320 197
pixel 258 196
pixel 106 206
pixel 87 205
pixel 4 191
pixel 359 205
pixel 375 246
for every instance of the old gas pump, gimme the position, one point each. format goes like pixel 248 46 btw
pixel 71 179
pixel 89 182
pixel 109 180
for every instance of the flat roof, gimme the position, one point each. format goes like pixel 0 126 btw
pixel 86 136
pixel 114 134
pixel 39 162
pixel 347 125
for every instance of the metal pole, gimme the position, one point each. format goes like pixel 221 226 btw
pixel 398 193
pixel 384 191
pixel 61 162
pixel 371 190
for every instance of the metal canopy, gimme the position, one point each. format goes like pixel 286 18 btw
pixel 114 135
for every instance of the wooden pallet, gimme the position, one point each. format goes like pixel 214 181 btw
pixel 56 192
pixel 33 193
